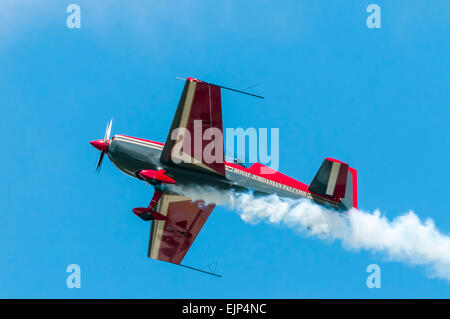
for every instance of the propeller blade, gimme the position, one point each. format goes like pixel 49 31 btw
pixel 108 130
pixel 103 145
pixel 99 163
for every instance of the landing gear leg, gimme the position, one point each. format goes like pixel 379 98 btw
pixel 147 213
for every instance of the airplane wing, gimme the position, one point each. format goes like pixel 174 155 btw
pixel 195 139
pixel 171 239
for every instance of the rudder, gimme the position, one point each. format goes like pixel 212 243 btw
pixel 337 180
pixel 351 198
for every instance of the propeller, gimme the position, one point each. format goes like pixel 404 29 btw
pixel 102 145
pixel 99 162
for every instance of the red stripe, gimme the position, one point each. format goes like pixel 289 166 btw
pixel 334 160
pixel 355 188
pixel 278 177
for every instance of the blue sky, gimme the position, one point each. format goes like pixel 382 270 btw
pixel 375 98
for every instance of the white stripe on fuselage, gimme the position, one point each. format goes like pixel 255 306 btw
pixel 138 142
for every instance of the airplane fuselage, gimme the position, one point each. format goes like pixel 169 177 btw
pixel 132 155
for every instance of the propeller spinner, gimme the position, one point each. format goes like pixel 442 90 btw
pixel 102 145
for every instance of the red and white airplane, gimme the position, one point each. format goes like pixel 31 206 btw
pixel 176 219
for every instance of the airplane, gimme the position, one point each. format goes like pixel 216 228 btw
pixel 176 220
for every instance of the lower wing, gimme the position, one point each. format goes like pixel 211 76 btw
pixel 170 239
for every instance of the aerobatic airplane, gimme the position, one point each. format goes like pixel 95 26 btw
pixel 176 219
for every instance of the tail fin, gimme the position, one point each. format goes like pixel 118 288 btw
pixel 336 179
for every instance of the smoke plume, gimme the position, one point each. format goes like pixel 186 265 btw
pixel 405 238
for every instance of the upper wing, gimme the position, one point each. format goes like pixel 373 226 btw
pixel 171 239
pixel 195 139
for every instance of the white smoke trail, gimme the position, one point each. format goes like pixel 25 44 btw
pixel 406 238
